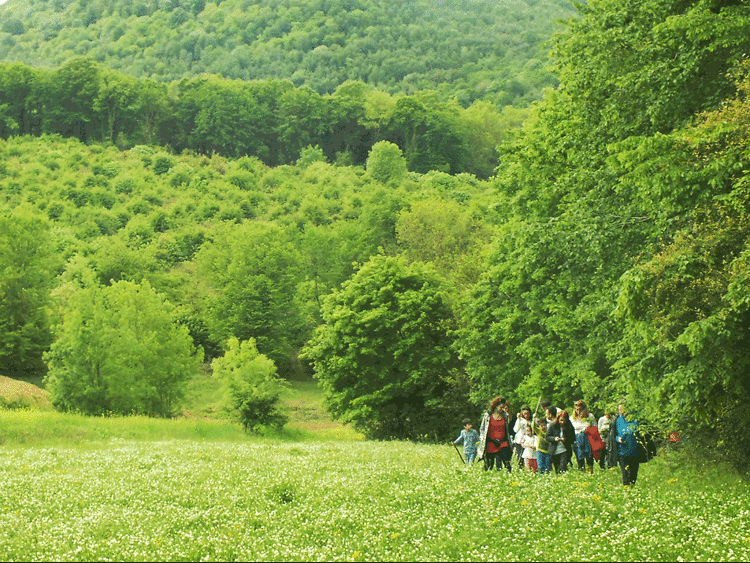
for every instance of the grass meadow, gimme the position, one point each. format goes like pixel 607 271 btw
pixel 199 489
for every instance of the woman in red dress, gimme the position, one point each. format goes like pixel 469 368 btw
pixel 494 436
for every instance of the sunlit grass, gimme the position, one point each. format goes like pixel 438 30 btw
pixel 301 401
pixel 79 488
pixel 337 501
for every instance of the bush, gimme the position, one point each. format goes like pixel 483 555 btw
pixel 162 165
pixel 251 386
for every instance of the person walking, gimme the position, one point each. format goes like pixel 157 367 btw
pixel 581 420
pixel 469 437
pixel 626 429
pixel 543 458
pixel 603 425
pixel 523 421
pixel 560 435
pixel 494 436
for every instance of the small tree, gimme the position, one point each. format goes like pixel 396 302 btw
pixel 251 386
pixel 386 163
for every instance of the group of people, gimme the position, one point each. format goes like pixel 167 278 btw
pixel 543 442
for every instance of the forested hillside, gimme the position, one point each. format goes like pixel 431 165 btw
pixel 471 49
pixel 606 257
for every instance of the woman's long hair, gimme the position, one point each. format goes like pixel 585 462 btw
pixel 495 402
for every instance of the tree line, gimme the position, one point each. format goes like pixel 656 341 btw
pixel 270 119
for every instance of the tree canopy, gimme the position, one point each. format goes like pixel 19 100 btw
pixel 473 50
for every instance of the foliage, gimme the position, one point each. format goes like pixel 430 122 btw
pixel 386 163
pixel 443 233
pixel 602 177
pixel 251 386
pixel 26 272
pixel 118 349
pixel 384 353
pixel 473 50
pixel 253 270
pixel 271 120
pixel 685 307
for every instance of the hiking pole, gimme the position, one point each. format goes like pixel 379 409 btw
pixel 459 454
pixel 539 402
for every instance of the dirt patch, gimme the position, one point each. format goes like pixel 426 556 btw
pixel 18 394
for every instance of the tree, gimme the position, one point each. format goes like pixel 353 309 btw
pixel 71 93
pixel 16 85
pixel 685 307
pixel 250 384
pixel 441 232
pixel 386 163
pixel 592 184
pixel 118 349
pixel 26 274
pixel 384 354
pixel 253 271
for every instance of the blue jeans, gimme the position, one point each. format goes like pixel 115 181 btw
pixel 582 448
pixel 544 462
pixel 470 456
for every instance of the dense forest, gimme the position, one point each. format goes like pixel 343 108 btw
pixel 269 119
pixel 471 50
pixel 604 257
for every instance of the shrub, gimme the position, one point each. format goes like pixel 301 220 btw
pixel 251 386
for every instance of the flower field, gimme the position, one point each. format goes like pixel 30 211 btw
pixel 337 501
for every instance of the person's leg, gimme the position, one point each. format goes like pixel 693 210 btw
pixel 634 465
pixel 625 469
pixel 506 454
pixel 470 456
pixel 489 461
pixel 602 458
pixel 545 463
pixel 556 462
pixel 580 459
pixel 519 454
pixel 564 460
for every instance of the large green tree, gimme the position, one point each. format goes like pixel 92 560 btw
pixel 592 183
pixel 26 277
pixel 252 271
pixel 118 349
pixel 385 355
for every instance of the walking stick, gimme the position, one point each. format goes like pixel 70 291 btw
pixel 539 402
pixel 459 454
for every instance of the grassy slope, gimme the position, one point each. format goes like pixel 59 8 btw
pixel 202 419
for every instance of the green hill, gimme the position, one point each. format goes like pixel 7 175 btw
pixel 473 49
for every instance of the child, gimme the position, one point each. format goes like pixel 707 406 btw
pixel 543 459
pixel 529 443
pixel 469 437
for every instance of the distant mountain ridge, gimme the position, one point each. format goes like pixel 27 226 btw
pixel 474 49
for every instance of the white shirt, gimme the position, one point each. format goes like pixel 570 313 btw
pixel 580 425
pixel 530 444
